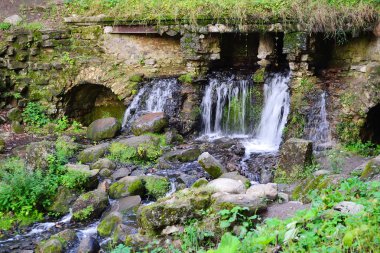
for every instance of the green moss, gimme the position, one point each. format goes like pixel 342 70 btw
pixel 302 191
pixel 258 76
pixel 136 187
pixel 156 187
pixel 108 224
pixel 117 190
pixel 186 78
pixel 83 214
pixel 136 78
pixel 369 170
pixel 200 182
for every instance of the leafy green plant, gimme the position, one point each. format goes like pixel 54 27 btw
pixel 33 26
pixel 122 249
pixel 363 149
pixel 5 26
pixel 62 124
pixel 195 239
pixel 34 115
pixel 237 216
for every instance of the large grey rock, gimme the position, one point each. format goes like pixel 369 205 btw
pixel 226 185
pixel 90 205
pixel 88 245
pixel 222 199
pixel 150 123
pixel 267 191
pixel 236 176
pixel 104 163
pixel 13 20
pixel 103 129
pixel 127 186
pixel 120 173
pixel 349 207
pixel 57 243
pixel 369 170
pixel 92 154
pixel 136 141
pixel 295 155
pixel 211 165
pixel 126 204
pixel 37 154
pixel 109 223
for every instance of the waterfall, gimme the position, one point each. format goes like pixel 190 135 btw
pixel 155 96
pixel 274 115
pixel 224 105
pixel 318 127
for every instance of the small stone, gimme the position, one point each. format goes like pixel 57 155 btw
pixel 13 20
pixel 211 165
pixel 349 207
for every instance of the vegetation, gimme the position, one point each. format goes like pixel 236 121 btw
pixel 4 26
pixel 363 149
pixel 323 15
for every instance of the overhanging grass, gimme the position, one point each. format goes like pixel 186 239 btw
pixel 314 15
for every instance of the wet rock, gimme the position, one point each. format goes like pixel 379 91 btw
pixel 120 173
pixel 105 173
pixel 124 205
pixel 57 243
pixel 172 137
pixel 150 123
pixel 224 200
pixel 109 223
pixel 14 114
pixel 103 129
pixel 267 191
pixel 88 245
pixel 349 207
pixel 226 185
pixel 37 154
pixel 121 233
pixel 13 20
pixel 104 163
pixel 168 160
pixel 127 186
pixel 211 165
pixel 90 205
pixel 266 176
pixel 92 154
pixel 296 154
pixel 91 175
pixel 238 149
pixel 62 201
pixel 236 176
pixel 177 209
pixel 200 182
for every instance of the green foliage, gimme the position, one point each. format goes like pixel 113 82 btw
pixel 122 249
pixel 348 131
pixel 363 149
pixel 4 26
pixel 62 124
pixel 320 229
pixel 33 26
pixel 74 179
pixel 314 15
pixel 228 244
pixel 66 58
pixel 186 78
pixel 237 216
pixel 195 239
pixel 84 213
pixel 122 153
pixel 298 173
pixel 156 186
pixel 34 115
pixel 258 77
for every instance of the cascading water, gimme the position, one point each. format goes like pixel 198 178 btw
pixel 155 96
pixel 318 127
pixel 274 115
pixel 226 106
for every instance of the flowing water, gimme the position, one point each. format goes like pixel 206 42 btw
pixel 226 106
pixel 268 135
pixel 318 127
pixel 155 96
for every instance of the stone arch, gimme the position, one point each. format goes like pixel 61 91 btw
pixel 87 102
pixel 371 128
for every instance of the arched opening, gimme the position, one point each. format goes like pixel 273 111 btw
pixel 371 129
pixel 88 102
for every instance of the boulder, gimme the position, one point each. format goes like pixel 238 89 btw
pixel 181 155
pixel 109 223
pixel 136 141
pixel 37 154
pixel 120 173
pixel 222 200
pixel 92 175
pixel 236 176
pixel 17 127
pixel 295 155
pixel 226 185
pixel 150 123
pixel 211 165
pixel 14 114
pixel 126 204
pixel 266 191
pixel 57 243
pixel 104 185
pixel 90 205
pixel 103 129
pixel 88 245
pixel 62 201
pixel 104 163
pixel 121 233
pixel 368 170
pixel 127 186
pixel 92 154
pixel 177 209
pixel 13 20
pixel 200 182
pixel 349 207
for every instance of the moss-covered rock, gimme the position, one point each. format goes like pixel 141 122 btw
pixel 108 224
pixel 200 182
pixel 258 76
pixel 50 246
pixel 62 201
pixel 14 114
pixel 103 164
pixel 92 154
pixel 150 123
pixel 129 185
pixel 17 127
pixel 176 209
pixel 103 129
pixel 211 165
pixel 90 177
pixel 136 78
pixel 37 154
pixel 156 186
pixel 90 205
pixel 302 190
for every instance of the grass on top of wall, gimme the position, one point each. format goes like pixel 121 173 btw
pixel 314 15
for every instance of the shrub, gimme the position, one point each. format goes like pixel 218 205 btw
pixel 34 115
pixel 363 149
